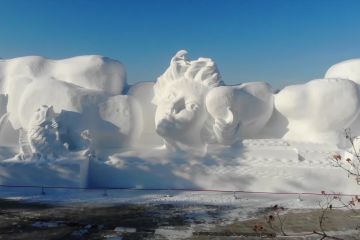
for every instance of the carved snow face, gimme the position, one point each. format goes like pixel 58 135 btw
pixel 180 112
pixel 179 94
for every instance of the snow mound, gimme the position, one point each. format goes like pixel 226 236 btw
pixel 39 77
pixel 91 72
pixel 319 110
pixel 239 111
pixel 349 69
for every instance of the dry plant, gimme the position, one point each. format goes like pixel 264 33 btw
pixel 275 220
pixel 351 160
pixel 329 203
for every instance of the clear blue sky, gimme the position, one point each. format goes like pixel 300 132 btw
pixel 278 41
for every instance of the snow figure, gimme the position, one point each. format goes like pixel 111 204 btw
pixel 239 111
pixel 88 142
pixel 85 92
pixel 319 110
pixel 92 72
pixel 349 69
pixel 43 135
pixel 179 96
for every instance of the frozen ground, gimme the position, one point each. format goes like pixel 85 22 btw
pixel 165 215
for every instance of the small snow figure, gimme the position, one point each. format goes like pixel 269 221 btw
pixel 88 143
pixel 42 137
pixel 300 199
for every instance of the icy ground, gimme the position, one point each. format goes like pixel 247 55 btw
pixel 75 215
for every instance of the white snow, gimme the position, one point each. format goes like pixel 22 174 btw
pixel 174 233
pixel 124 230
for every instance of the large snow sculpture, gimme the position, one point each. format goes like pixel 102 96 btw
pixel 319 110
pixel 186 108
pixel 239 111
pixel 180 93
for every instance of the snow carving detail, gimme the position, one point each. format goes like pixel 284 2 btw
pixel 179 96
pixel 43 134
pixel 194 107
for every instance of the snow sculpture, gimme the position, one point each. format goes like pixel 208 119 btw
pixel 84 93
pixel 319 110
pixel 88 72
pixel 179 96
pixel 8 136
pixel 108 118
pixel 239 111
pixel 194 108
pixel 84 103
pixel 143 92
pixel 88 142
pixel 43 135
pixel 349 69
pixel 123 112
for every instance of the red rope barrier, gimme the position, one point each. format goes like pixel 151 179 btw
pixel 179 189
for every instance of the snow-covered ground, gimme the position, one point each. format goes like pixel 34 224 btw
pixel 270 165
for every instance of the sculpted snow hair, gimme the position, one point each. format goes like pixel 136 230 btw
pixel 181 117
pixel 203 71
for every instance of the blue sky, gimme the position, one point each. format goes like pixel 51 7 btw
pixel 279 41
